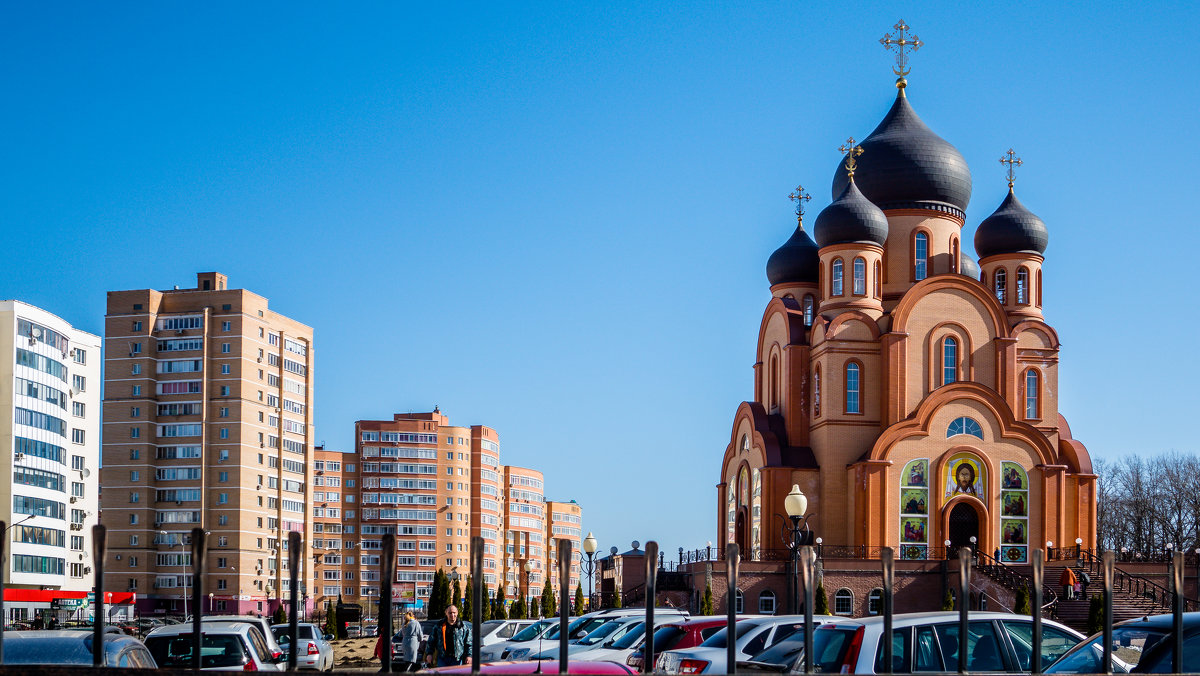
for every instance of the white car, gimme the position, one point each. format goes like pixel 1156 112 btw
pixel 261 624
pixel 996 642
pixel 495 652
pixel 753 635
pixel 226 646
pixel 495 631
pixel 604 635
pixel 314 651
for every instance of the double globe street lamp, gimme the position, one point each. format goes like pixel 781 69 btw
pixel 795 537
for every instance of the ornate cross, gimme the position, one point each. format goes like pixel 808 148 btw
pixel 902 43
pixel 1012 163
pixel 799 197
pixel 851 150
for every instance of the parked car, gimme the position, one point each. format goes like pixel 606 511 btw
pixel 538 667
pixel 314 648
pixel 224 646
pixel 495 631
pixel 996 642
pixel 1140 646
pixel 686 633
pixel 605 634
pixel 752 636
pixel 581 627
pixel 261 624
pixel 496 651
pixel 74 647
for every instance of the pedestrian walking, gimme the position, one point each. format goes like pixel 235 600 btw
pixel 1084 581
pixel 411 636
pixel 1067 579
pixel 450 643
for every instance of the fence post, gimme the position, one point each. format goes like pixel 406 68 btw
pixel 99 554
pixel 564 602
pixel 3 584
pixel 1177 612
pixel 1109 563
pixel 808 560
pixel 294 549
pixel 888 563
pixel 476 599
pixel 387 577
pixel 199 554
pixel 733 555
pixel 1039 575
pixel 651 598
pixel 964 603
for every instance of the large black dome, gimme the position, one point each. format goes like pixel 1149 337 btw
pixel 851 218
pixel 796 262
pixel 905 164
pixel 1011 229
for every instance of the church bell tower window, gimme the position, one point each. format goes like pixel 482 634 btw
pixel 1022 286
pixel 1032 394
pixel 949 360
pixel 836 285
pixel 860 277
pixel 853 385
pixel 920 256
pixel 808 310
pixel 1001 285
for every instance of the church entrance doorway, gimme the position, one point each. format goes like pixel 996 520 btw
pixel 963 525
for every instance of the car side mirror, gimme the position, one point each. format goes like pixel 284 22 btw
pixel 328 637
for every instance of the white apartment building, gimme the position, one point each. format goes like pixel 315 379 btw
pixel 50 419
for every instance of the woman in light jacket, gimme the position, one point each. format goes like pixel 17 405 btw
pixel 410 642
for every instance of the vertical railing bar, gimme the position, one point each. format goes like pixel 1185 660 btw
pixel 388 563
pixel 1039 575
pixel 1177 612
pixel 964 603
pixel 888 563
pixel 476 599
pixel 565 555
pixel 732 557
pixel 199 554
pixel 808 560
pixel 3 582
pixel 99 554
pixel 1109 562
pixel 651 597
pixel 294 549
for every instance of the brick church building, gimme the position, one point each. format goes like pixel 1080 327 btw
pixel 910 391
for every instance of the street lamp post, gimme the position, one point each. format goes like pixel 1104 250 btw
pixel 1049 550
pixel 210 598
pixel 528 567
pixel 795 537
pixel 589 548
pixel 947 543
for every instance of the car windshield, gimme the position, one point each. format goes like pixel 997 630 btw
pixel 785 652
pixel 532 631
pixel 830 644
pixel 602 632
pixel 488 628
pixel 630 638
pixel 1129 645
pixel 216 650
pixel 717 640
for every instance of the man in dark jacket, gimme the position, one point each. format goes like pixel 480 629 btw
pixel 450 641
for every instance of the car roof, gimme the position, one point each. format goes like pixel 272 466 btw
pixel 177 629
pixel 909 619
pixel 1162 621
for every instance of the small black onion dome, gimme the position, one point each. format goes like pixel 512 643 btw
pixel 851 218
pixel 967 266
pixel 905 164
pixel 1011 229
pixel 796 262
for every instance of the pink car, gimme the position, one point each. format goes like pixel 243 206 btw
pixel 540 667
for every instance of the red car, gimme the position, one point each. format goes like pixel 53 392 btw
pixel 682 634
pixel 539 667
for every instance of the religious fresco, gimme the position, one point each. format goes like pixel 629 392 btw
pixel 965 475
pixel 756 516
pixel 914 506
pixel 1014 509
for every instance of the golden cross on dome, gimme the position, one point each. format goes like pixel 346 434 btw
pixel 851 150
pixel 902 43
pixel 1012 163
pixel 799 197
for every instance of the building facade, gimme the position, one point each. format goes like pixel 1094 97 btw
pixel 434 485
pixel 208 423
pixel 50 419
pixel 910 392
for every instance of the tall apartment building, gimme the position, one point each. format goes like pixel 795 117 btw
pixel 208 423
pixel 50 418
pixel 434 485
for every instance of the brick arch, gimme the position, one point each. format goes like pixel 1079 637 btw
pixel 908 303
pixel 919 423
pixel 984 540
pixel 850 315
pixel 1037 325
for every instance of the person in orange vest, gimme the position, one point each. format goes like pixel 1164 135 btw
pixel 1067 580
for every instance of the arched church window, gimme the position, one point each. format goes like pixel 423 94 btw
pixel 860 277
pixel 808 310
pixel 817 392
pixel 1014 513
pixel 853 385
pixel 766 603
pixel 914 510
pixel 1037 289
pixel 964 425
pixel 836 273
pixel 949 360
pixel 878 281
pixel 920 256
pixel 843 602
pixel 1032 395
pixel 954 259
pixel 1001 285
pixel 1022 286
pixel 774 384
pixel 737 601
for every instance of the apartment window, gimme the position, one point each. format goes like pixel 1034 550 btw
pixel 134 497
pixel 133 519
pixel 134 432
pixel 133 475
pixel 133 540
pixel 222 498
pixel 133 562
pixel 224 412
pixel 77 436
pixel 226 348
pixel 224 369
pixel 223 520
pixel 221 561
pixel 226 326
pixel 77 409
pixel 76 462
pixel 222 477
pixel 79 382
pixel 137 326
pixel 134 454
pixel 137 391
pixel 224 390
pixel 221 585
pixel 224 432
pixel 223 454
pixel 135 348
pixel 135 411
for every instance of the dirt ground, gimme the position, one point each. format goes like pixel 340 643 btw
pixel 354 652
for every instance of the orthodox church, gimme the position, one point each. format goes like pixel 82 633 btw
pixel 909 391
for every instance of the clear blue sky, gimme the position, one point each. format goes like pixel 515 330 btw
pixel 553 218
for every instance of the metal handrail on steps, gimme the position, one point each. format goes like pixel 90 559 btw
pixel 1138 585
pixel 1014 580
